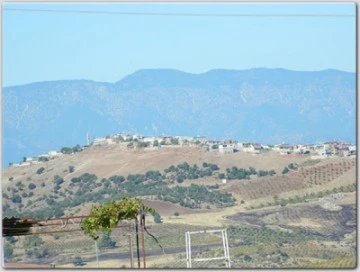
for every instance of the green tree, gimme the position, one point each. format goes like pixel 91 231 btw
pixel 176 213
pixel 31 186
pixel 156 143
pixel 71 168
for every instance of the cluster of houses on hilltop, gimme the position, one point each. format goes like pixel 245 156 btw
pixel 326 149
pixel 323 150
pixel 38 159
pixel 160 140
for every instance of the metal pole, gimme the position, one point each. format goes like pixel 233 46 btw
pixel 227 248
pixel 187 250
pixel 223 241
pixel 3 251
pixel 97 256
pixel 137 241
pixel 130 248
pixel 142 238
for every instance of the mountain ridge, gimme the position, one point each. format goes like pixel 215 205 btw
pixel 264 105
pixel 178 70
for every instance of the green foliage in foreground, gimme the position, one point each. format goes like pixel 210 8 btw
pixel 105 217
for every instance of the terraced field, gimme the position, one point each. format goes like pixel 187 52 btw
pixel 296 180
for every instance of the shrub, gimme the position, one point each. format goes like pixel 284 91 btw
pixel 67 150
pixel 71 168
pixel 176 213
pixel 180 179
pixel 16 199
pixel 40 170
pixel 8 251
pixel 106 242
pixel 117 179
pixel 32 186
pixel 214 167
pixel 75 180
pixel 144 144
pixel 43 159
pixel 32 241
pixel 247 258
pixel 50 201
pixel 58 180
pixel 285 171
pixel 78 261
pixel 174 141
pixel 157 218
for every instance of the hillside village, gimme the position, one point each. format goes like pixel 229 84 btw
pixel 274 218
pixel 135 141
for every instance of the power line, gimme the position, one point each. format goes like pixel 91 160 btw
pixel 175 14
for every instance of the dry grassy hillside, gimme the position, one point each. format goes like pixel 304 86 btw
pixel 108 161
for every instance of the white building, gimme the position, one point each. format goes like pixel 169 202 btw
pixel 226 148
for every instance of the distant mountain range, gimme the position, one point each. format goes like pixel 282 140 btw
pixel 261 105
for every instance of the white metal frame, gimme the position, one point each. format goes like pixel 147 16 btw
pixel 225 246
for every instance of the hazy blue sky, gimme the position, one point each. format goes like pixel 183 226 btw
pixel 40 46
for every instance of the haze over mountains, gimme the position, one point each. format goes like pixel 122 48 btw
pixel 258 105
